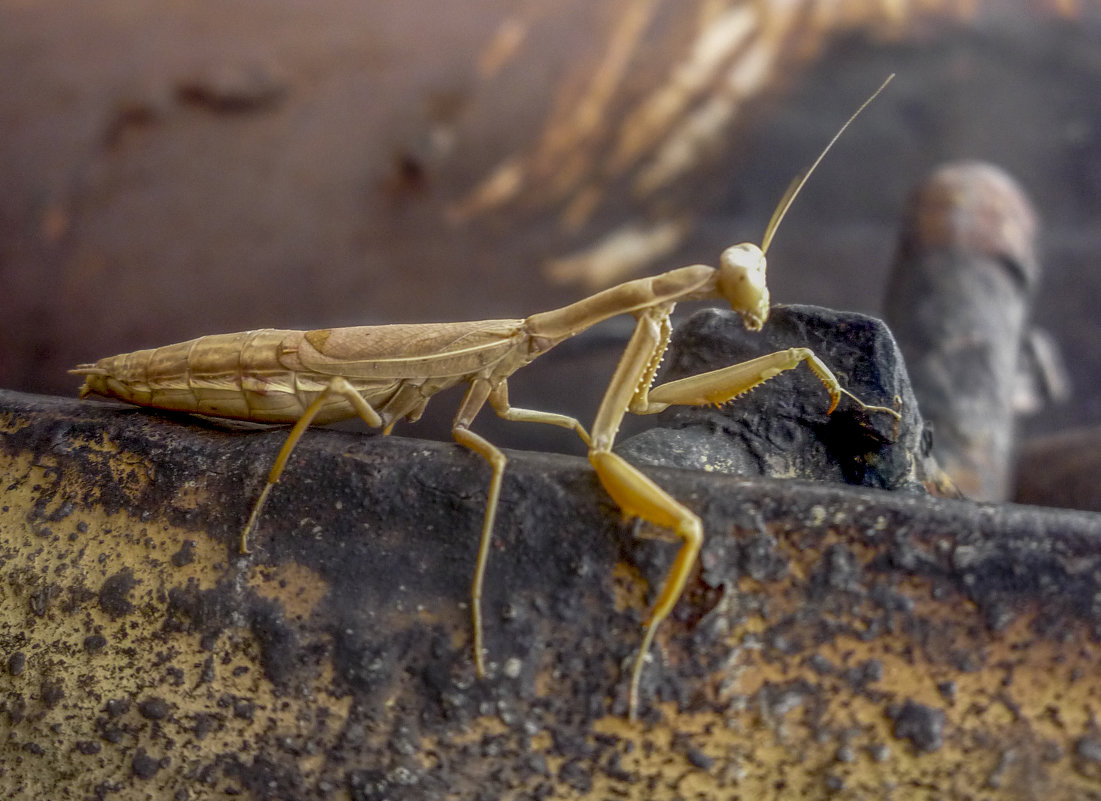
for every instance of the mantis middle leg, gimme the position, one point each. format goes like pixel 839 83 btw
pixel 338 386
pixel 480 391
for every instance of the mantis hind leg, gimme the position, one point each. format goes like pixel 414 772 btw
pixel 338 386
pixel 475 398
pixel 497 461
pixel 480 391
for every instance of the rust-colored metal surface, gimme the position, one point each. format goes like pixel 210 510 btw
pixel 836 642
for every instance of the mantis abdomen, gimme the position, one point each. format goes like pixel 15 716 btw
pixel 250 375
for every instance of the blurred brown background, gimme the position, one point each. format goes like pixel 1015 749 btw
pixel 174 169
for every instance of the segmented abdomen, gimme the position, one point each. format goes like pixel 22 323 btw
pixel 238 376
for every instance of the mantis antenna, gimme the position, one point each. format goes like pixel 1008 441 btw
pixel 797 184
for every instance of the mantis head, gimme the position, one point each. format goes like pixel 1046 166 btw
pixel 742 283
pixel 742 267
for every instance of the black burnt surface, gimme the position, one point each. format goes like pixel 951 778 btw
pixel 388 528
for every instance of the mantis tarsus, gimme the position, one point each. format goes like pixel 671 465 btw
pixel 387 373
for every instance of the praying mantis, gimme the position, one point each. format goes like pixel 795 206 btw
pixel 387 373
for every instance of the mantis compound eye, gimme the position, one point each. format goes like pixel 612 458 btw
pixel 742 282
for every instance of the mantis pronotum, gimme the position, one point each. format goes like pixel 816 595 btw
pixel 387 373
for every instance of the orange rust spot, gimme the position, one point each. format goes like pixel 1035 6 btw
pixel 298 588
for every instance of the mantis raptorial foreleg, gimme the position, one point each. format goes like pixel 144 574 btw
pixel 727 383
pixel 636 494
pixel 338 386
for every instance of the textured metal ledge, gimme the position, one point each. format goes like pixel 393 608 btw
pixel 836 640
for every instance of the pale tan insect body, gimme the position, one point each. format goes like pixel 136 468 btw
pixel 387 373
pixel 272 375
